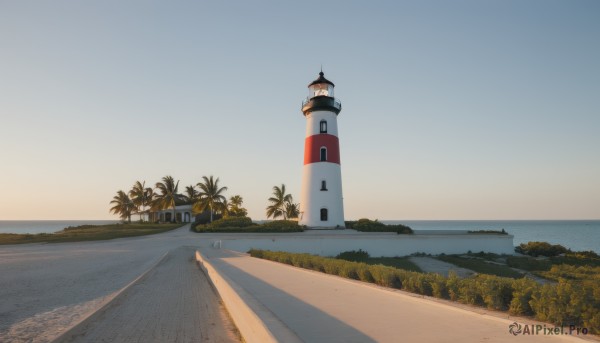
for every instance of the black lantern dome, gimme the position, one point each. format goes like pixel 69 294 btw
pixel 321 79
pixel 320 97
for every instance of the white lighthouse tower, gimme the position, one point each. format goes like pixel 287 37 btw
pixel 321 204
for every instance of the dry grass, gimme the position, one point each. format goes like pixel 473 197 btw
pixel 88 233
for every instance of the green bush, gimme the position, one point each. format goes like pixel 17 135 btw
pixel 205 217
pixel 281 224
pixel 528 263
pixel 469 292
pixel 353 255
pixel 231 222
pixel 349 271
pixel 522 292
pixel 493 232
pixel 364 273
pixel 496 293
pixel 417 283
pixel 565 271
pixel 541 249
pixel 367 225
pixel 453 284
pixel 245 225
pixel 439 287
pixel 578 258
pixel 385 276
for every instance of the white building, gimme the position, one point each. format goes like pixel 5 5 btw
pixel 183 213
pixel 321 203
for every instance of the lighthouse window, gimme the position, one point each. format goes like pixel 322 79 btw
pixel 321 92
pixel 323 126
pixel 323 214
pixel 323 154
pixel 323 185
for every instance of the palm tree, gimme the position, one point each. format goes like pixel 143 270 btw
pixel 123 206
pixel 210 196
pixel 149 194
pixel 292 210
pixel 223 208
pixel 236 201
pixel 168 194
pixel 278 201
pixel 139 196
pixel 191 193
pixel 235 207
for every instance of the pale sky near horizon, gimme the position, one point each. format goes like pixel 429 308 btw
pixel 451 109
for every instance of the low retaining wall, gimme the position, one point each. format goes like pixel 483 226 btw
pixel 377 244
pixel 254 323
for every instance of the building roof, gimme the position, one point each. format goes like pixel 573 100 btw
pixel 321 79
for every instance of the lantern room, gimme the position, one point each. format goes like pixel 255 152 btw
pixel 320 97
pixel 320 87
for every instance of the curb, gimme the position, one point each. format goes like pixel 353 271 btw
pixel 255 322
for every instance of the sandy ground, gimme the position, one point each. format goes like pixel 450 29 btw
pixel 432 265
pixel 47 288
pixel 174 302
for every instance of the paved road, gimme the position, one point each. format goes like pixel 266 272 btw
pixel 47 288
pixel 174 302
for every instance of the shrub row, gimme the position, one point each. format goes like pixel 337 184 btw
pixel 569 272
pixel 541 249
pixel 245 225
pixel 367 225
pixel 563 303
pixel 281 223
pixel 494 232
pixel 231 222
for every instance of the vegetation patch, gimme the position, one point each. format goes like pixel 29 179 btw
pixel 231 222
pixel 245 225
pixel 481 265
pixel 569 301
pixel 88 233
pixel 541 249
pixel 569 272
pixel 493 232
pixel 363 256
pixel 367 225
pixel 528 263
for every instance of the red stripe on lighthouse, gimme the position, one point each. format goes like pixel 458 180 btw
pixel 313 145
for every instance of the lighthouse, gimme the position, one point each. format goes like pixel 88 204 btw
pixel 321 203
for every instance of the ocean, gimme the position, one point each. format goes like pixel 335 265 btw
pixel 45 226
pixel 574 234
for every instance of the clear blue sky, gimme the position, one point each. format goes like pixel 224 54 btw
pixel 451 109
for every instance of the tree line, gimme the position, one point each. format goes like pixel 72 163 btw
pixel 205 196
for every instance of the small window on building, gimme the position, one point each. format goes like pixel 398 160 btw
pixel 323 214
pixel 323 126
pixel 323 154
pixel 323 185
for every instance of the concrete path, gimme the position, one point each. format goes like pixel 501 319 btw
pixel 432 265
pixel 324 308
pixel 174 302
